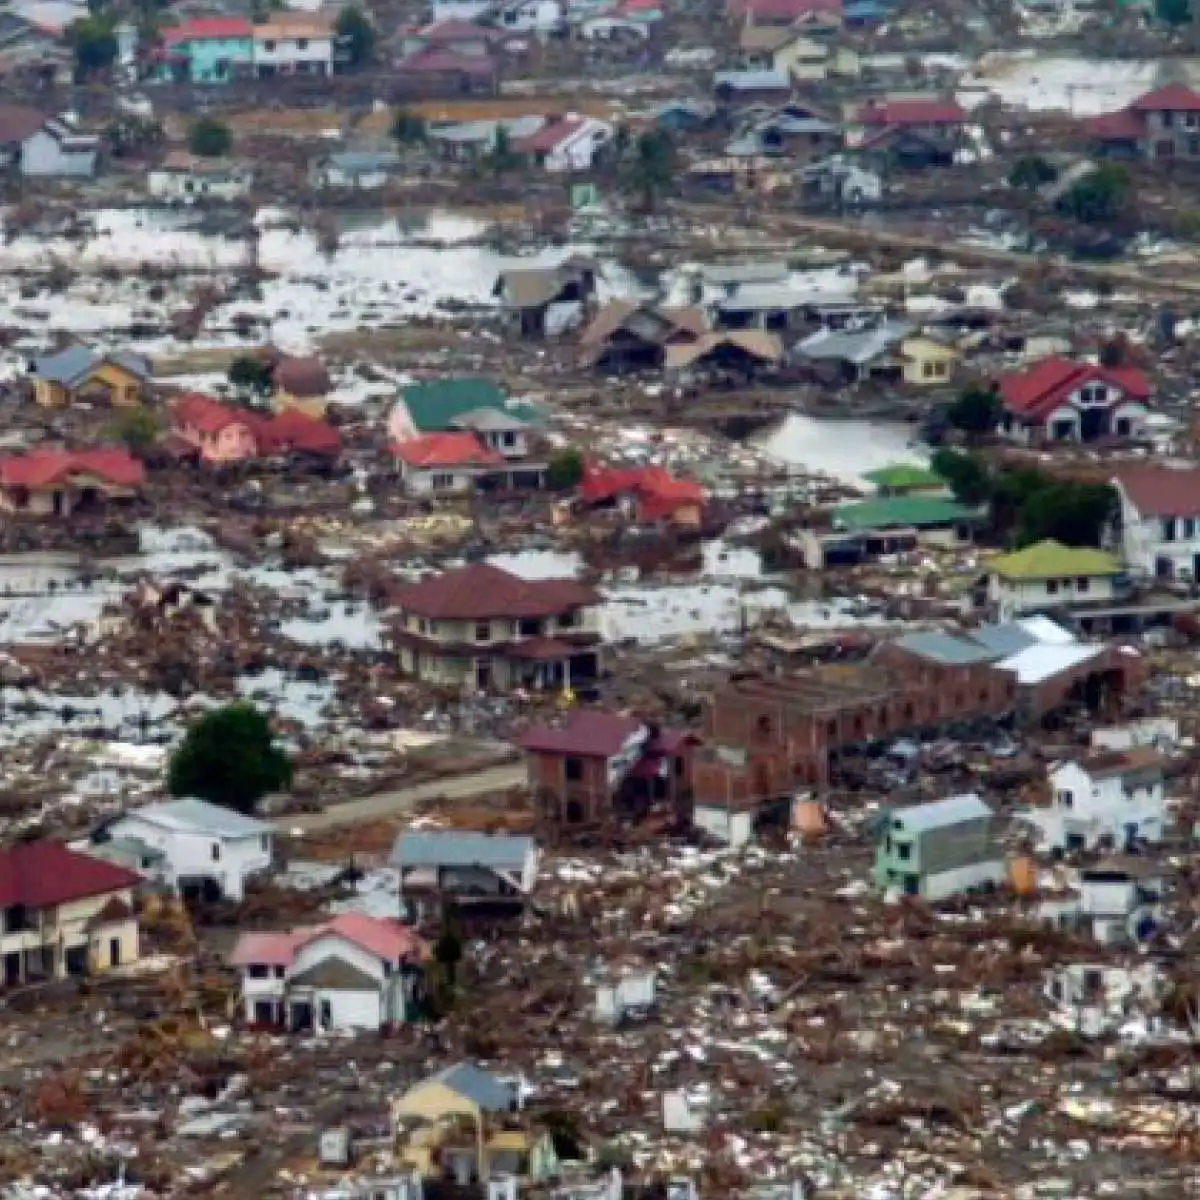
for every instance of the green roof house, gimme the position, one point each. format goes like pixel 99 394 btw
pixel 905 479
pixel 1049 575
pixel 466 404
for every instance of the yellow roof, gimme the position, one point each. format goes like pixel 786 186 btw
pixel 1053 560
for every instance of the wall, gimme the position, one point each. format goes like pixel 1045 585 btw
pixel 1106 805
pixel 953 882
pixel 1018 597
pixel 66 927
pixel 442 482
pixel 313 54
pixel 1146 540
pixel 41 154
pixel 183 186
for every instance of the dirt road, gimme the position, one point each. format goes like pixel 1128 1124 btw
pixel 389 804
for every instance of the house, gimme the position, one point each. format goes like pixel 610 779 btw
pixel 358 170
pixel 1117 901
pixel 207 849
pixel 751 86
pixel 1163 124
pixel 1049 575
pixel 837 180
pixel 891 524
pixel 354 973
pixel 300 384
pixel 814 15
pixel 207 50
pixel 597 768
pixel 469 141
pixel 78 374
pixel 793 131
pixel 293 43
pixel 906 479
pixel 444 463
pixel 854 356
pixel 486 874
pixel 441 405
pixel 569 143
pixel 1060 400
pixel 938 118
pixel 479 628
pixel 806 59
pixel 539 299
pixel 434 70
pixel 646 495
pixel 65 483
pixel 728 353
pixel 1115 796
pixel 629 335
pixel 59 150
pixel 939 849
pixel 531 16
pixel 458 37
pixel 1159 524
pixel 219 434
pixel 183 178
pixel 927 361
pixel 17 125
pixel 1094 999
pixel 461 1124
pixel 63 913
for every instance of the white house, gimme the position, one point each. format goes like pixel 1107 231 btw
pixel 1116 795
pixel 570 143
pixel 185 179
pixel 1097 998
pixel 58 149
pixel 352 973
pixel 204 846
pixel 1117 901
pixel 293 44
pixel 531 16
pixel 360 170
pixel 1049 575
pixel 1159 524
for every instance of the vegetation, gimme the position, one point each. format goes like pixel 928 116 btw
pixel 1026 505
pixel 1099 197
pixel 1031 173
pixel 129 135
pixel 976 412
pixel 136 428
pixel 94 43
pixel 355 35
pixel 229 757
pixel 650 171
pixel 210 138
pixel 249 373
pixel 408 127
pixel 1173 12
pixel 565 470
pixel 502 158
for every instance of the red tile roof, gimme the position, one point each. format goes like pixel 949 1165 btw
pixel 209 416
pixel 1157 491
pixel 379 936
pixel 1174 97
pixel 1123 126
pixel 434 60
pixel 658 491
pixel 900 113
pixel 480 591
pixel 292 430
pixel 589 733
pixel 540 649
pixel 208 29
pixel 44 468
pixel 45 874
pixel 446 450
pixel 549 136
pixel 1035 392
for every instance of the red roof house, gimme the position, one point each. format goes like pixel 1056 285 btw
pixel 207 29
pixel 62 482
pixel 917 113
pixel 444 462
pixel 649 494
pixel 221 433
pixel 1164 123
pixel 1058 399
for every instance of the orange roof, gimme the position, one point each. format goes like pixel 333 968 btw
pixel 209 416
pixel 446 450
pixel 42 468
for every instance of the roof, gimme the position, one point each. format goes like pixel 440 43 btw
pixel 18 122
pixel 894 511
pixel 942 647
pixel 932 110
pixel 787 10
pixel 757 343
pixel 552 134
pixel 75 363
pixel 360 162
pixel 434 61
pixel 490 420
pixel 207 29
pixel 859 347
pixel 483 1090
pixel 209 416
pixel 532 288
pixel 753 80
pixel 337 975
pixel 181 160
pixel 479 591
pixel 1041 388
pixel 434 404
pixel 45 874
pixel 285 25
pixel 1124 125
pixel 455 848
pixel 44 468
pixel 1052 560
pixel 649 483
pixel 302 377
pixel 588 733
pixel 193 815
pixel 379 936
pixel 1043 661
pixel 457 31
pixel 293 430
pixel 938 814
pixel 1174 97
pixel 904 475
pixel 1111 763
pixel 1161 491
pixel 446 450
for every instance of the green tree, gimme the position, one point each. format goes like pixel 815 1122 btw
pixel 1099 197
pixel 94 44
pixel 136 428
pixel 249 373
pixel 408 127
pixel 229 757
pixel 650 172
pixel 1031 172
pixel 502 157
pixel 564 470
pixel 355 36
pixel 209 138
pixel 1173 12
pixel 1073 513
pixel 968 476
pixel 977 411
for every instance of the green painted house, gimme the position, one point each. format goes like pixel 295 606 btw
pixel 473 404
pixel 937 519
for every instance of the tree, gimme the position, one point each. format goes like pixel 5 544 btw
pixel 564 470
pixel 502 158
pixel 1099 196
pixel 408 127
pixel 1073 513
pixel 355 36
pixel 977 411
pixel 136 428
pixel 651 170
pixel 1173 12
pixel 1031 173
pixel 209 138
pixel 229 757
pixel 968 476
pixel 249 373
pixel 94 44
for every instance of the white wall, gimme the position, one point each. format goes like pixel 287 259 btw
pixel 282 53
pixel 442 482
pixel 577 152
pixel 1100 807
pixel 1017 597
pixel 187 188
pixel 42 154
pixel 961 879
pixel 1146 539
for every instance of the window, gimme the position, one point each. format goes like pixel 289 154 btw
pixel 483 631
pixel 529 627
pixel 216 851
pixel 258 971
pixel 1189 527
pixel 508 440
pixel 1065 799
pixel 1193 146
pixel 302 43
pixel 264 841
pixel 928 370
pixel 573 767
pixel 1082 584
pixel 269 47
pixel 442 481
pixel 1051 587
pixel 1168 119
pixel 903 851
pixel 280 972
pixel 1168 529
pixel 568 620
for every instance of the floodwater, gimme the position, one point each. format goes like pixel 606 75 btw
pixel 843 449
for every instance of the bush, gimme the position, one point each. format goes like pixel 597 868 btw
pixel 565 470
pixel 210 138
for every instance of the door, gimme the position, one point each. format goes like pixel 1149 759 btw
pixel 114 952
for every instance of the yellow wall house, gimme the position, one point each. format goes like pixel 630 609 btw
pixel 927 361
pixel 301 384
pixel 78 373
pixel 461 1124
pixel 63 913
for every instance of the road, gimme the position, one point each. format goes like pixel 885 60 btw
pixel 390 804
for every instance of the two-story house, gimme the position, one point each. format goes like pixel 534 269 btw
pixel 1049 575
pixel 78 374
pixel 1116 901
pixel 1159 524
pixel 569 143
pixel 918 132
pixel 63 913
pixel 1060 400
pixel 207 50
pixel 205 848
pixel 293 43
pixel 1115 796
pixel 480 628
pixel 1163 124
pixel 938 849
pixel 598 767
pixel 355 972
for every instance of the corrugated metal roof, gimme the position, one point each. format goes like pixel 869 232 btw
pixel 452 848
pixel 1041 662
pixel 939 814
pixel 1003 640
pixel 753 81
pixel 859 347
pixel 483 1090
pixel 895 512
pixel 943 648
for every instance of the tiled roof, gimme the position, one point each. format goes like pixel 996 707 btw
pixel 480 591
pixel 586 732
pixel 1125 125
pixel 208 29
pixel 302 376
pixel 1174 97
pixel 1052 560
pixel 291 430
pixel 434 60
pixel 1158 491
pixel 17 123
pixel 209 416
pixel 1037 391
pixel 935 110
pixel 42 468
pixel 550 135
pixel 446 450
pixel 45 874
pixel 380 937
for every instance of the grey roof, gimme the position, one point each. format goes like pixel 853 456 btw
pixel 954 810
pixel 482 1089
pixel 943 647
pixel 491 420
pixel 73 364
pixel 354 162
pixel 127 852
pixel 193 815
pixel 860 347
pixel 760 297
pixel 742 273
pixel 753 81
pixel 451 848
pixel 484 132
pixel 787 124
pixel 1003 640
